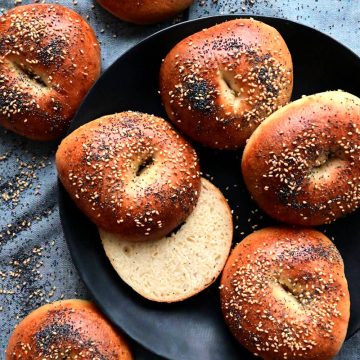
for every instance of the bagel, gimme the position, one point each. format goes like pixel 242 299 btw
pixel 145 11
pixel 69 329
pixel 284 295
pixel 131 174
pixel 219 84
pixel 49 59
pixel 182 264
pixel 302 164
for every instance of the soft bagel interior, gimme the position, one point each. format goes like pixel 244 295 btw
pixel 182 264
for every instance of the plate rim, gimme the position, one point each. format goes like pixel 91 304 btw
pixel 215 19
pixel 221 18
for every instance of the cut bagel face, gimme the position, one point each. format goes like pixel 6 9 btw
pixel 183 263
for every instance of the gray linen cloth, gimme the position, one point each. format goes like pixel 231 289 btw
pixel 35 264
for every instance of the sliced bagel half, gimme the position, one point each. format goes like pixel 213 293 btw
pixel 182 264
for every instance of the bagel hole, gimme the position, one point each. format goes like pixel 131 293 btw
pixel 323 159
pixel 289 297
pixel 287 288
pixel 230 90
pixel 326 163
pixel 145 164
pixel 229 81
pixel 30 74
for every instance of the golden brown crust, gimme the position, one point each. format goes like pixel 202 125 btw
pixel 186 262
pixel 217 85
pixel 49 59
pixel 284 295
pixel 145 11
pixel 302 163
pixel 131 174
pixel 70 329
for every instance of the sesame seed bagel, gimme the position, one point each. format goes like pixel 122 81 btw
pixel 145 11
pixel 49 59
pixel 131 174
pixel 284 295
pixel 69 329
pixel 183 263
pixel 219 84
pixel 302 164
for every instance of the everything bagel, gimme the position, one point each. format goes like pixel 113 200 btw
pixel 219 84
pixel 69 329
pixel 284 295
pixel 131 174
pixel 302 164
pixel 145 11
pixel 49 59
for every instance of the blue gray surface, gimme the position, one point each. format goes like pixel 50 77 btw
pixel 35 265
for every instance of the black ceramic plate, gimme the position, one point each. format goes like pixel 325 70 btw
pixel 194 329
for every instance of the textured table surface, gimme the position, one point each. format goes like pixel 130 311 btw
pixel 35 265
